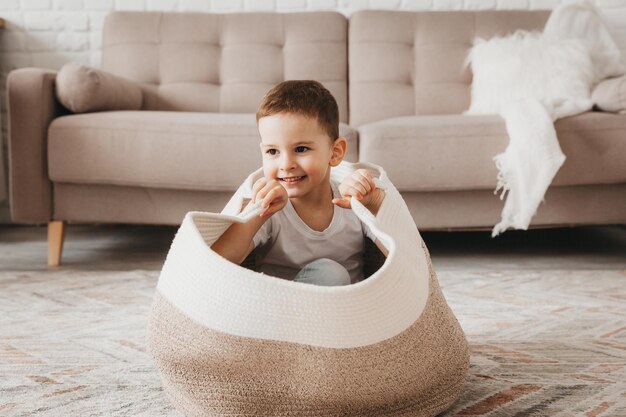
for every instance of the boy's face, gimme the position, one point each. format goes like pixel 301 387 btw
pixel 298 153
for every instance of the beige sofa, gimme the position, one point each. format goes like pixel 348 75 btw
pixel 408 88
pixel 194 139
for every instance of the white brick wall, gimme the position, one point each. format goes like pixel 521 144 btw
pixel 49 33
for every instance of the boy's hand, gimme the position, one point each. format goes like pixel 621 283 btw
pixel 272 195
pixel 360 185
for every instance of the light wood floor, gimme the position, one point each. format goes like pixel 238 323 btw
pixel 123 247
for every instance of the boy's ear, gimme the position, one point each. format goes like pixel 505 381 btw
pixel 339 151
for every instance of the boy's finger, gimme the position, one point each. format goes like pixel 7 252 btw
pixel 271 195
pixel 268 198
pixel 262 194
pixel 267 188
pixel 358 190
pixel 258 184
pixel 256 187
pixel 363 173
pixel 265 212
pixel 365 181
pixel 258 195
pixel 342 202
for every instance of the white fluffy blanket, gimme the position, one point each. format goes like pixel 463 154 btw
pixel 547 76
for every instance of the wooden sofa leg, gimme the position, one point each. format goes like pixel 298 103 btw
pixel 56 234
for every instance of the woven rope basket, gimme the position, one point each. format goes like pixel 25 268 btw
pixel 230 341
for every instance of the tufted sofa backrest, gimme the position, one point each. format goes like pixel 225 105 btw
pixel 413 63
pixel 225 62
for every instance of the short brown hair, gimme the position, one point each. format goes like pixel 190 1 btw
pixel 304 97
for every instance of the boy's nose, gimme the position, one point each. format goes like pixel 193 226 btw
pixel 287 163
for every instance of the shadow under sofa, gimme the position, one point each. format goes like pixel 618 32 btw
pixel 400 84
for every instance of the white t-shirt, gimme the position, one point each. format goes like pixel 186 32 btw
pixel 285 243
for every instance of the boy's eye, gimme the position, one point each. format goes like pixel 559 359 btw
pixel 272 151
pixel 301 149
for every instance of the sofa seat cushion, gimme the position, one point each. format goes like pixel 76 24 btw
pixel 455 152
pixel 176 150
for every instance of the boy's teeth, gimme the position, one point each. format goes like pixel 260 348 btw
pixel 291 179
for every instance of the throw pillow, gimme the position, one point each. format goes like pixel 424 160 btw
pixel 527 65
pixel 84 89
pixel 610 95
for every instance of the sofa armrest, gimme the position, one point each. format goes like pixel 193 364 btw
pixel 32 105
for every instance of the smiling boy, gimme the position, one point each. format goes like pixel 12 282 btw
pixel 304 233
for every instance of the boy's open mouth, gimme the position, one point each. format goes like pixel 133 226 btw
pixel 291 180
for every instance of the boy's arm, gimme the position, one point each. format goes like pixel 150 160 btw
pixel 363 186
pixel 236 242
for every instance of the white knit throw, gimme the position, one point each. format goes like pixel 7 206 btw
pixel 533 156
pixel 529 163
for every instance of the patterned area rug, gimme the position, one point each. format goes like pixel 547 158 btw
pixel 544 343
